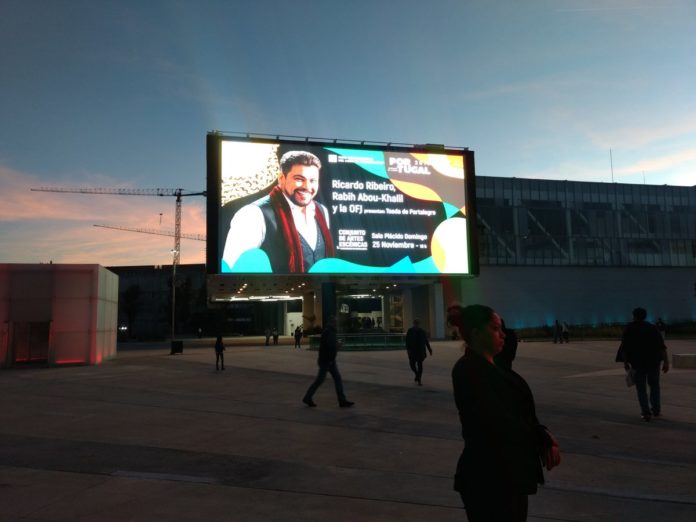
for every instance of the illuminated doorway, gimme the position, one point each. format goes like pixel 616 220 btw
pixel 29 342
pixel 360 313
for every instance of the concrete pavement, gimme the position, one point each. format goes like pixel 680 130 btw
pixel 152 436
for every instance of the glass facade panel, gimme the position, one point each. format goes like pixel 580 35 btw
pixel 551 222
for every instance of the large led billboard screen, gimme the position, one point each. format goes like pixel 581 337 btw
pixel 284 206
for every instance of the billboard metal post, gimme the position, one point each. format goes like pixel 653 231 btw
pixel 328 302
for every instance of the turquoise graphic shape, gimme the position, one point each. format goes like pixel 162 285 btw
pixel 426 266
pixel 252 261
pixel 403 266
pixel 339 266
pixel 376 168
pixel 450 210
pixel 255 261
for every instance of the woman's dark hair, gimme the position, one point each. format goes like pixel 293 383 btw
pixel 469 318
pixel 639 314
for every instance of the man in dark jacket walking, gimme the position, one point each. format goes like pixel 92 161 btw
pixel 642 350
pixel 416 344
pixel 298 338
pixel 328 348
pixel 219 353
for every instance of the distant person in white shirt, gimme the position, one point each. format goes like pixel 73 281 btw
pixel 287 224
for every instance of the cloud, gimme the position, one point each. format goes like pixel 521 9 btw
pixel 43 226
pixel 677 168
pixel 639 134
pixel 608 8
pixel 669 162
pixel 661 146
pixel 543 88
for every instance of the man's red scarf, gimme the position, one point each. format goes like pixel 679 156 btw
pixel 281 208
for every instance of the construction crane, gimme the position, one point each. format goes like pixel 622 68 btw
pixel 195 237
pixel 178 193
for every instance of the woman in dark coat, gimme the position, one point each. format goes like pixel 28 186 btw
pixel 505 356
pixel 505 445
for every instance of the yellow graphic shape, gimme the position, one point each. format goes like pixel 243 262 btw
pixel 416 190
pixel 449 247
pixel 450 166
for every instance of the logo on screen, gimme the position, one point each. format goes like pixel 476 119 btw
pixel 406 165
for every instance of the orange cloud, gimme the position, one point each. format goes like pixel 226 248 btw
pixel 47 226
pixel 670 161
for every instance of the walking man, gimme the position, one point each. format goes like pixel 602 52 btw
pixel 643 349
pixel 298 338
pixel 416 344
pixel 557 332
pixel 328 348
pixel 661 327
pixel 219 353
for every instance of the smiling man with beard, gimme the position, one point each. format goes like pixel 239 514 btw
pixel 287 224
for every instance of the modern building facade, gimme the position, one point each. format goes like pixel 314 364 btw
pixel 524 222
pixel 145 300
pixel 585 253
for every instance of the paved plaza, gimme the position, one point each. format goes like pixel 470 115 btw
pixel 150 436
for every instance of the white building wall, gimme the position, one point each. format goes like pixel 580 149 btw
pixel 80 303
pixel 535 296
pixel 74 315
pixel 106 316
pixel 4 324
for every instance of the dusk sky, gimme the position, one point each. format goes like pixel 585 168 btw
pixel 122 93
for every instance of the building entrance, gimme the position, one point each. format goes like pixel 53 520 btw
pixel 29 342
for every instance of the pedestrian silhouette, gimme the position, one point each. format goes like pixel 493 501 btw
pixel 416 345
pixel 505 445
pixel 505 357
pixel 298 338
pixel 219 354
pixel 328 349
pixel 643 351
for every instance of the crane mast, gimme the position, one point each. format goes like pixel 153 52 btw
pixel 177 231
